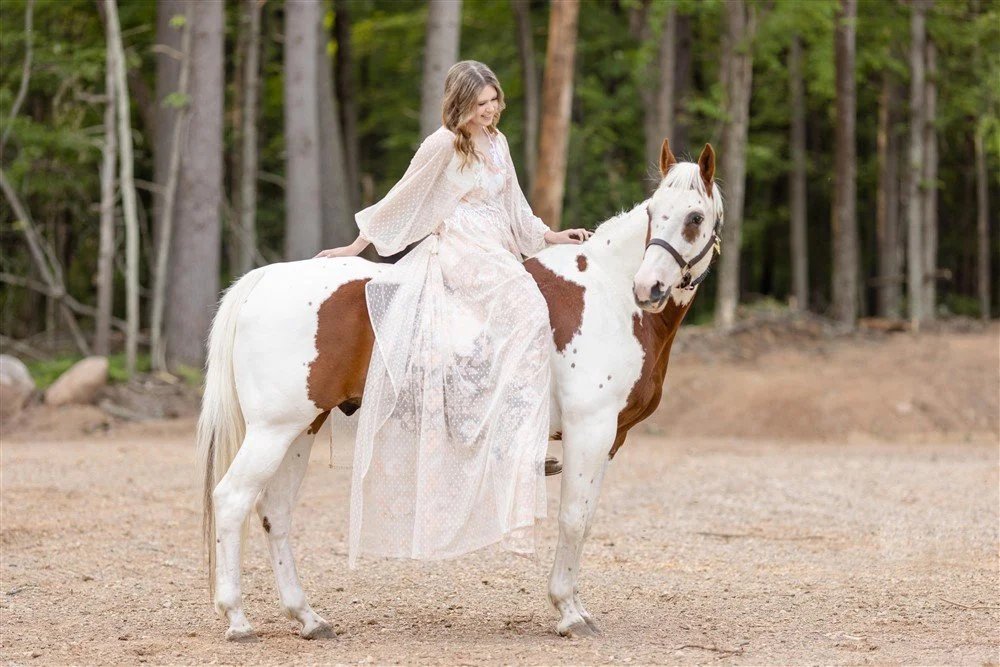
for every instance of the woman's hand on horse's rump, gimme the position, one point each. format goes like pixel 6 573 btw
pixel 352 250
pixel 573 236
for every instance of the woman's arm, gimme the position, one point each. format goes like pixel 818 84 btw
pixel 352 250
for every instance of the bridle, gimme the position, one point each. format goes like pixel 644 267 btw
pixel 713 246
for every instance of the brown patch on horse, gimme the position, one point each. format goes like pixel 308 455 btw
pixel 581 263
pixel 266 524
pixel 344 341
pixel 317 423
pixel 565 301
pixel 690 232
pixel 655 333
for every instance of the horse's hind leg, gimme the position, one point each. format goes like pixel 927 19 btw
pixel 274 507
pixel 585 459
pixel 256 462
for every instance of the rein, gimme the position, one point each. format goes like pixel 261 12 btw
pixel 714 246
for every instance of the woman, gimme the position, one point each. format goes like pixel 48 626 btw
pixel 454 423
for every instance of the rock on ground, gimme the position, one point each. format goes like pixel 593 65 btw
pixel 16 386
pixel 80 383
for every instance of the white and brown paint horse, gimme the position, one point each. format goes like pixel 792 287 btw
pixel 292 341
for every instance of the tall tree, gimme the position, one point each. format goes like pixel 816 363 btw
pixel 930 176
pixel 887 203
pixel 303 204
pixel 797 143
pixel 529 75
pixel 845 224
pixel 168 68
pixel 194 255
pixel 106 253
pixel 737 77
pixel 339 228
pixel 982 227
pixel 444 23
pixel 347 99
pixel 127 185
pixel 915 253
pixel 682 78
pixel 249 160
pixel 557 102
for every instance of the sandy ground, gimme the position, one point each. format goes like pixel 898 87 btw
pixel 740 551
pixel 845 544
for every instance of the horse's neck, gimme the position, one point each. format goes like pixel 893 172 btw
pixel 620 243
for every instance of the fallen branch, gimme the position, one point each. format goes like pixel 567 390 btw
pixel 965 606
pixel 713 649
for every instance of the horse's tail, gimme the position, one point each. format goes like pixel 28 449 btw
pixel 221 426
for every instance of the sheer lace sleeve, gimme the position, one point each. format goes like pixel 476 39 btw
pixel 529 230
pixel 426 194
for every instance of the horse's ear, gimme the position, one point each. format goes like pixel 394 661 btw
pixel 706 165
pixel 667 159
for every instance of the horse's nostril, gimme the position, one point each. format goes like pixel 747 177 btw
pixel 656 293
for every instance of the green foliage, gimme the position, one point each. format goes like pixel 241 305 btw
pixel 47 371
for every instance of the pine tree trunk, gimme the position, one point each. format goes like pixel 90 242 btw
pixel 799 218
pixel 127 185
pixel 737 77
pixel 557 102
pixel 193 284
pixel 663 108
pixel 887 204
pixel 303 203
pixel 106 252
pixel 339 228
pixel 845 224
pixel 982 227
pixel 915 253
pixel 346 100
pixel 444 23
pixel 233 231
pixel 249 161
pixel 929 191
pixel 168 69
pixel 529 75
pixel 682 79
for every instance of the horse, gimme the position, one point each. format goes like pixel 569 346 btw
pixel 291 342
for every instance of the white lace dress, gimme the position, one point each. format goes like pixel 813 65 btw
pixel 453 426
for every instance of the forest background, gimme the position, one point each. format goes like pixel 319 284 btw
pixel 151 152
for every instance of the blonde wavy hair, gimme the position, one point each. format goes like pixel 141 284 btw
pixel 462 86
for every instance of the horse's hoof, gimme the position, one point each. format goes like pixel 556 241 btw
pixel 552 466
pixel 578 629
pixel 319 631
pixel 242 636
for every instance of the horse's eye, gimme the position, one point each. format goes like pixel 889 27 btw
pixel 695 219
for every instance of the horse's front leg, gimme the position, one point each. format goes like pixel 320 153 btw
pixel 274 507
pixel 586 444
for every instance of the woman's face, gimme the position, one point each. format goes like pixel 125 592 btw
pixel 486 107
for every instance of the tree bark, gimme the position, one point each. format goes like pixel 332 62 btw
pixel 737 77
pixel 529 74
pixel 127 186
pixel 682 79
pixel 303 203
pixel 194 255
pixel 929 191
pixel 233 232
pixel 915 253
pixel 347 100
pixel 106 251
pixel 158 350
pixel 339 228
pixel 663 105
pixel 444 23
pixel 982 227
pixel 799 218
pixel 249 162
pixel 845 224
pixel 168 68
pixel 887 204
pixel 557 102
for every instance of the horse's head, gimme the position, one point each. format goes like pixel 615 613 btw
pixel 682 239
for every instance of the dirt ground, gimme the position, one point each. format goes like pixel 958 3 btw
pixel 830 502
